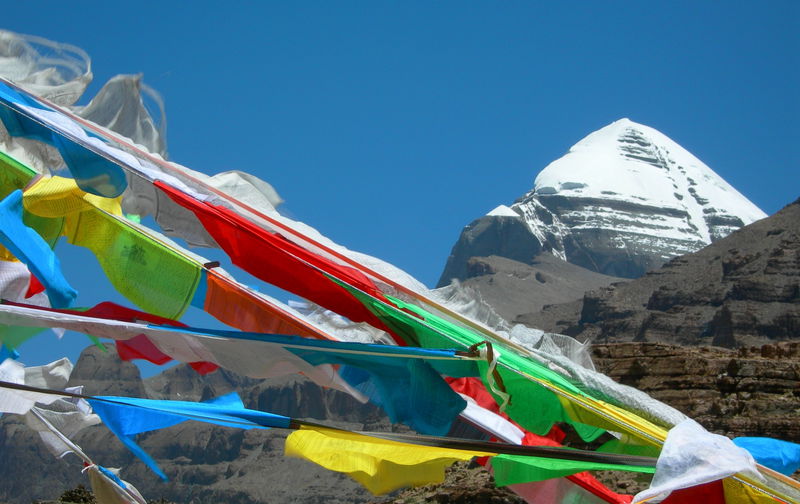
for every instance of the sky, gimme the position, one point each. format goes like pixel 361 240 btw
pixel 389 126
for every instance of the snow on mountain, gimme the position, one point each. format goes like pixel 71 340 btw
pixel 621 201
pixel 630 162
pixel 503 210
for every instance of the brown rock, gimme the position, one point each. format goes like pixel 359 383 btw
pixel 752 391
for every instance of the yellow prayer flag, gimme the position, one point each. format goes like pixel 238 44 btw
pixel 379 465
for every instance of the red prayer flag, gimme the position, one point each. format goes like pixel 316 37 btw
pixel 34 287
pixel 708 493
pixel 280 262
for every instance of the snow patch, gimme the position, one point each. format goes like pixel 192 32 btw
pixel 502 210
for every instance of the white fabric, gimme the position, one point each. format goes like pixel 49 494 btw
pixel 69 127
pixel 63 418
pixel 553 344
pixel 256 359
pixel 51 376
pixel 56 427
pixel 693 456
pixel 119 106
pixel 55 71
pixel 107 491
pixel 61 72
pixel 38 156
pixel 80 404
pixel 247 188
pixel 343 328
pixel 491 422
pixel 15 279
pixel 468 302
pixel 143 198
pixel 20 402
pixel 70 423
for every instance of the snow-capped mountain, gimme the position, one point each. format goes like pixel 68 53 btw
pixel 623 200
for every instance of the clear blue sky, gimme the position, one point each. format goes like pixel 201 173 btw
pixel 391 125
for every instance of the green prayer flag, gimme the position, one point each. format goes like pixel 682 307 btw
pixel 155 278
pixel 513 469
pixel 13 336
pixel 532 405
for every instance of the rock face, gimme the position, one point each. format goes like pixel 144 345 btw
pixel 742 290
pixel 622 201
pixel 101 372
pixel 752 391
pixel 513 288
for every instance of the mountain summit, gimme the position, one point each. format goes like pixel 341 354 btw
pixel 623 200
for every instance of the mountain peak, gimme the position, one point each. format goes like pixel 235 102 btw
pixel 624 199
pixel 630 162
pixel 610 131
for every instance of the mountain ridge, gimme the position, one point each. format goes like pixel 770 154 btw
pixel 741 290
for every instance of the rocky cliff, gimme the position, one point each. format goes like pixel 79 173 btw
pixel 751 391
pixel 742 290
